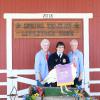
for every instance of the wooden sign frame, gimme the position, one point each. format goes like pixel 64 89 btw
pixel 47 29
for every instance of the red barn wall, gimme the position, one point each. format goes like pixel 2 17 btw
pixel 25 49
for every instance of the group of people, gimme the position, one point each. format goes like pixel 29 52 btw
pixel 45 61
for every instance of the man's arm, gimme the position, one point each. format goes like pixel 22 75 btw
pixel 81 66
pixel 37 68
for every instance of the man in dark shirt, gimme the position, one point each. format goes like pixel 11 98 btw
pixel 58 58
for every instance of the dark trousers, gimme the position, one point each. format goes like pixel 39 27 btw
pixel 76 82
pixel 53 84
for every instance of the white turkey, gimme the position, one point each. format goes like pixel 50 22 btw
pixel 66 71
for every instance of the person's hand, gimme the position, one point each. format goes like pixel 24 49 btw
pixel 39 77
pixel 55 66
pixel 80 78
pixel 74 64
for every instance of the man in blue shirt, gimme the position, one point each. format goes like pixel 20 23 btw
pixel 41 64
pixel 76 57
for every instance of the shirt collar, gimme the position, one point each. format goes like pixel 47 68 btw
pixel 75 51
pixel 59 54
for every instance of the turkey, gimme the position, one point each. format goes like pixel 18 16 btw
pixel 55 73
